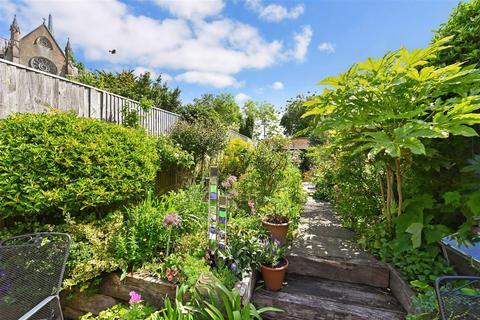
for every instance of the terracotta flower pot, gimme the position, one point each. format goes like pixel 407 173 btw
pixel 273 277
pixel 278 231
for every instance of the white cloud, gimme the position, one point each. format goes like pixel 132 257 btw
pixel 153 74
pixel 208 52
pixel 302 41
pixel 216 80
pixel 241 98
pixel 192 9
pixel 274 12
pixel 277 85
pixel 327 47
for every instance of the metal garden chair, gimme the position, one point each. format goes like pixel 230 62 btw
pixel 458 297
pixel 31 275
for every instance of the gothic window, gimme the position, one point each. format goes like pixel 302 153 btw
pixel 44 42
pixel 43 64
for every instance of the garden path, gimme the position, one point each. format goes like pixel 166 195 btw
pixel 328 276
pixel 320 233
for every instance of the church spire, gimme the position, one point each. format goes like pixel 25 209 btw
pixel 14 28
pixel 50 23
pixel 68 48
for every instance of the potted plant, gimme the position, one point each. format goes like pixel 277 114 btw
pixel 276 219
pixel 274 265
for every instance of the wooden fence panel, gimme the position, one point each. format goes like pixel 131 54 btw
pixel 24 89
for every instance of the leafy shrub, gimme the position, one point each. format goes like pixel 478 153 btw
pixel 200 138
pixel 146 235
pixel 243 248
pixel 171 154
pixel 192 269
pixel 424 264
pixel 220 304
pixel 225 275
pixel 137 311
pixel 464 25
pixel 90 253
pixel 236 157
pixel 270 170
pixel 54 163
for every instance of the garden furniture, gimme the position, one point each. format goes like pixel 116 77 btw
pixel 458 297
pixel 31 274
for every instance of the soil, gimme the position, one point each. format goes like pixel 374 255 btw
pixel 276 219
pixel 280 264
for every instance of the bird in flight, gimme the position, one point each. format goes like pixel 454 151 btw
pixel 113 51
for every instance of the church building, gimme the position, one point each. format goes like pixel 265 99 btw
pixel 39 50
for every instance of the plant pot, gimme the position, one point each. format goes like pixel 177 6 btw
pixel 273 277
pixel 278 231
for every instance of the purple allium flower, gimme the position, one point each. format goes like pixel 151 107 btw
pixel 233 266
pixel 172 219
pixel 251 204
pixel 232 179
pixel 134 298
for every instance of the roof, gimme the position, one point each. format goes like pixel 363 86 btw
pixel 299 143
pixel 51 35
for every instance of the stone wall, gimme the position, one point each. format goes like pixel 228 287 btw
pixel 29 48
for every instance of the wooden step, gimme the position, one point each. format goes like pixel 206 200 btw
pixel 320 299
pixel 368 272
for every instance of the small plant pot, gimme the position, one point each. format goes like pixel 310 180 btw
pixel 273 277
pixel 278 231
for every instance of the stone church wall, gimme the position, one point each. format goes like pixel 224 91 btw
pixel 29 48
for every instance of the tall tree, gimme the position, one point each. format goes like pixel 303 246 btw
pixel 292 120
pixel 223 105
pixel 464 27
pixel 388 108
pixel 267 118
pixel 154 92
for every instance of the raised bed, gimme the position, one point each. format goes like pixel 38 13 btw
pixel 113 291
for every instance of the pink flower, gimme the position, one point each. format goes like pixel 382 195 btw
pixel 251 204
pixel 232 179
pixel 134 298
pixel 173 219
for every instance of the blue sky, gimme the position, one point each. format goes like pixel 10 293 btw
pixel 263 50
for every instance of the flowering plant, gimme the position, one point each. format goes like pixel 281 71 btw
pixel 171 221
pixel 273 254
pixel 251 205
pixel 134 298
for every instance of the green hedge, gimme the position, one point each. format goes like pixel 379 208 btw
pixel 60 163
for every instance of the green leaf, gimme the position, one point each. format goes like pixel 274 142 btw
pixel 414 145
pixel 415 229
pixel 461 130
pixel 452 198
pixel 473 202
pixel 434 233
pixel 420 285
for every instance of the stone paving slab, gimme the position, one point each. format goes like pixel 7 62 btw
pixel 321 235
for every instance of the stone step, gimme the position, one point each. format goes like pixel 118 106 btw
pixel 367 272
pixel 320 299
